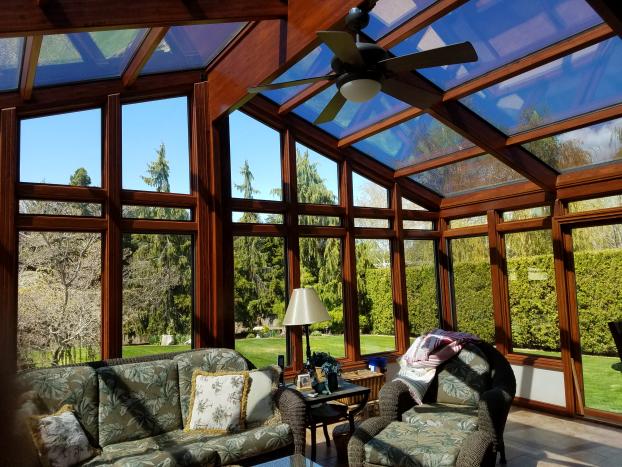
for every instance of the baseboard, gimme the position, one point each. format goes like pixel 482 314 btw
pixel 541 406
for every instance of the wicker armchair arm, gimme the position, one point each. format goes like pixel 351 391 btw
pixel 293 412
pixel 395 399
pixel 477 450
pixel 363 434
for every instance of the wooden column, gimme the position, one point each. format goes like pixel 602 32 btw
pixel 8 240
pixel 496 246
pixel 112 281
pixel 444 273
pixel 199 168
pixel 400 299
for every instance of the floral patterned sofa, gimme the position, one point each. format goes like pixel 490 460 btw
pixel 134 410
pixel 461 422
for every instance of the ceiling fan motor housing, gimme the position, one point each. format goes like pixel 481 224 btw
pixel 357 19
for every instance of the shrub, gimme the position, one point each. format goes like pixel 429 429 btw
pixel 317 333
pixel 251 335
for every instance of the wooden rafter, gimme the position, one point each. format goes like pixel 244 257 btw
pixel 610 11
pixel 21 17
pixel 441 161
pixel 379 127
pixel 142 55
pixel 29 66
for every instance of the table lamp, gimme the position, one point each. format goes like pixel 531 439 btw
pixel 305 308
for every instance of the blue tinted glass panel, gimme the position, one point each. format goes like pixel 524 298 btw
pixel 316 63
pixel 353 116
pixel 586 80
pixel 389 14
pixel 155 146
pixel 53 148
pixel 501 31
pixel 469 175
pixel 190 47
pixel 417 140
pixel 593 145
pixel 84 56
pixel 11 50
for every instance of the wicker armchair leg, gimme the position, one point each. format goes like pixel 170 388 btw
pixel 478 450
pixel 501 449
pixel 363 434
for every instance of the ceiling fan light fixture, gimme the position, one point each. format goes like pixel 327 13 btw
pixel 360 90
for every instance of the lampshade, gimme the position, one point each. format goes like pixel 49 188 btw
pixel 305 307
pixel 360 90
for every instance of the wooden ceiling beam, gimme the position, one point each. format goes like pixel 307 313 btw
pixel 22 18
pixel 610 11
pixel 142 55
pixel 32 49
pixel 380 126
pixel 441 161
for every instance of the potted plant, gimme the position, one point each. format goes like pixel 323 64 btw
pixel 330 368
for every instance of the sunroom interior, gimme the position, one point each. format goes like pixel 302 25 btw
pixel 151 203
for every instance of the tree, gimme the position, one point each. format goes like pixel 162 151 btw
pixel 159 171
pixel 80 178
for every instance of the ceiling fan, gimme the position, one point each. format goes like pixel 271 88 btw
pixel 362 69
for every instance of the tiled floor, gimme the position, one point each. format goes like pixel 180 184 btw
pixel 536 439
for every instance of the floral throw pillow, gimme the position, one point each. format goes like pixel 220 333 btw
pixel 218 402
pixel 60 439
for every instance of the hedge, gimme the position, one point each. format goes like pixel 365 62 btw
pixel 533 301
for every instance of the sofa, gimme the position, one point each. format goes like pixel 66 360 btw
pixel 460 422
pixel 134 410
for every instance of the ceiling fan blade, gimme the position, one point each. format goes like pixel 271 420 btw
pixel 343 46
pixel 410 94
pixel 287 84
pixel 332 109
pixel 457 53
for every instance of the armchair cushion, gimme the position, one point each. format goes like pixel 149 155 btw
pixel 464 378
pixel 430 416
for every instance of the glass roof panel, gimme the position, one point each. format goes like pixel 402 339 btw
pixel 85 56
pixel 353 116
pixel 593 145
pixel 11 50
pixel 315 63
pixel 472 174
pixel 419 139
pixel 190 47
pixel 586 80
pixel 501 31
pixel 389 14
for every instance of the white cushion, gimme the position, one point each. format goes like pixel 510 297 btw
pixel 261 409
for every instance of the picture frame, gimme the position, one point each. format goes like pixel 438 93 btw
pixel 303 381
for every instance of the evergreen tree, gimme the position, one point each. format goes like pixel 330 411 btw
pixel 80 178
pixel 159 171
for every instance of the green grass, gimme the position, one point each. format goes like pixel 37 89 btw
pixel 130 351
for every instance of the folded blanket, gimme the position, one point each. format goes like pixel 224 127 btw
pixel 418 365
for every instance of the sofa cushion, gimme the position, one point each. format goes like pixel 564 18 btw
pixel 211 360
pixel 260 407
pixel 429 416
pixel 402 444
pixel 56 387
pixel 149 459
pixel 138 400
pixel 464 378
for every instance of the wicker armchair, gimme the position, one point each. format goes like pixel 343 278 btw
pixel 470 431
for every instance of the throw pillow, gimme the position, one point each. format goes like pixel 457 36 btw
pixel 60 439
pixel 260 409
pixel 218 402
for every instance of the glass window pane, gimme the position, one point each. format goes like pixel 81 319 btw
pixel 389 14
pixel 469 175
pixel 375 296
pixel 593 145
pixel 353 116
pixel 417 140
pixel 190 47
pixel 255 159
pixel 468 222
pixel 593 204
pixel 259 298
pixel 83 56
pixel 156 154
pixel 408 204
pixel 256 218
pixel 529 213
pixel 586 80
pixel 317 177
pixel 59 298
pixel 471 287
pixel 59 208
pixel 501 31
pixel 315 63
pixel 321 269
pixel 11 50
pixel 157 212
pixel 64 149
pixel 368 194
pixel 533 300
pixel 418 225
pixel 157 293
pixel 319 220
pixel 421 286
pixel 372 223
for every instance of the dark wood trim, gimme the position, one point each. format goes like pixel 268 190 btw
pixel 610 11
pixel 142 55
pixel 8 240
pixel 61 223
pixel 157 226
pixel 32 48
pixel 148 198
pixel 26 18
pixel 411 215
pixel 414 234
pixel 499 285
pixel 269 230
pixel 61 193
pixel 257 205
pixel 444 272
pixel 373 233
pixel 536 361
pixel 610 418
pixel 379 127
pixel 321 231
pixel 540 223
pixel 441 161
pixel 373 213
pixel 540 406
pixel 321 210
pixel 398 264
pixel 470 231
